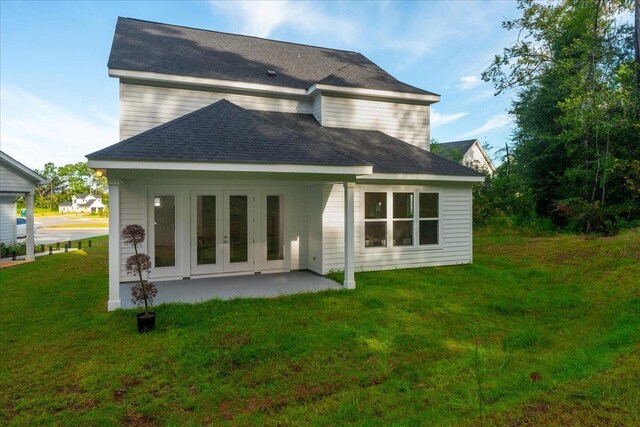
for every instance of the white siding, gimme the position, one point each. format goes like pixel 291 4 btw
pixel 315 203
pixel 11 181
pixel 317 108
pixel 475 159
pixel 133 210
pixel 407 122
pixel 7 219
pixel 455 232
pixel 144 107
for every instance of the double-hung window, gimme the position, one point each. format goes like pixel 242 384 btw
pixel 375 220
pixel 429 218
pixel 403 219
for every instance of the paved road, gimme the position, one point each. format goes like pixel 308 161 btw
pixel 45 236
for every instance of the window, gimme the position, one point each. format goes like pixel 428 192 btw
pixel 402 219
pixel 275 229
pixel 411 221
pixel 164 215
pixel 429 218
pixel 375 217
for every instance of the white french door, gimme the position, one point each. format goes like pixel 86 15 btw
pixel 206 232
pixel 272 246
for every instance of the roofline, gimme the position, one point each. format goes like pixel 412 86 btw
pixel 232 167
pixel 426 98
pixel 239 35
pixel 271 89
pixel 37 179
pixel 421 177
pixel 204 81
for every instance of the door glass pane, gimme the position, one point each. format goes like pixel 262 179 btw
pixel 428 205
pixel 429 232
pixel 164 214
pixel 375 205
pixel 402 233
pixel 206 230
pixel 403 205
pixel 238 229
pixel 275 229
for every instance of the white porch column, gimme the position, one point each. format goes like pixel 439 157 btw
pixel 114 245
pixel 349 238
pixel 30 241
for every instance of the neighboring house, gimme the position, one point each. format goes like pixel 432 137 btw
pixel 243 155
pixel 469 153
pixel 82 203
pixel 16 180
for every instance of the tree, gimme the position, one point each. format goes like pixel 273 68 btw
pixel 576 108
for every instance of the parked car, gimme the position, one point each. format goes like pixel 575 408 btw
pixel 21 227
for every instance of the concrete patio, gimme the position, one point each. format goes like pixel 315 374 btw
pixel 249 286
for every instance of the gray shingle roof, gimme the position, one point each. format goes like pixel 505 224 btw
pixel 225 132
pixel 458 145
pixel 171 49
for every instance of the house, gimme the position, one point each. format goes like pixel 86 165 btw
pixel 243 155
pixel 82 203
pixel 17 180
pixel 468 152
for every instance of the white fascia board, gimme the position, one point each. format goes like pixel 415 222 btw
pixel 205 81
pixel 19 167
pixel 419 177
pixel 426 98
pixel 231 167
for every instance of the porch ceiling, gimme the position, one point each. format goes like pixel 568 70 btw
pixel 230 287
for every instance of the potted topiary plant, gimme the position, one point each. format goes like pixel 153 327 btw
pixel 143 292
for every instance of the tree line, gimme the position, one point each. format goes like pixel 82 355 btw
pixel 574 157
pixel 65 181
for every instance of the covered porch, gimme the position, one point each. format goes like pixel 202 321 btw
pixel 230 287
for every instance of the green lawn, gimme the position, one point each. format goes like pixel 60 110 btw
pixel 545 330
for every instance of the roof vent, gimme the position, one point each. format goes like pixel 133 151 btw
pixel 272 73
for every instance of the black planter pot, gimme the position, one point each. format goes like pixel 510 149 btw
pixel 146 323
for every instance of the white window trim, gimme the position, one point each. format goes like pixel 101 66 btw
pixel 176 269
pixel 389 190
pixel 438 218
pixel 365 220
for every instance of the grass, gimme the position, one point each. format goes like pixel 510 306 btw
pixel 545 330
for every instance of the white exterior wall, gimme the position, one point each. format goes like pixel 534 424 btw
pixel 316 108
pixel 7 219
pixel 455 231
pixel 475 159
pixel 315 203
pixel 134 209
pixel 144 107
pixel 12 182
pixel 407 122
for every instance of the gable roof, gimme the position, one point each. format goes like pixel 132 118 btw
pixel 225 132
pixel 171 49
pixel 21 169
pixel 464 145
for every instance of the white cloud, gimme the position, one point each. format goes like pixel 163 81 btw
pixel 35 131
pixel 496 122
pixel 263 18
pixel 469 82
pixel 438 119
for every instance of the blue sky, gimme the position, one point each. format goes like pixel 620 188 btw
pixel 58 104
